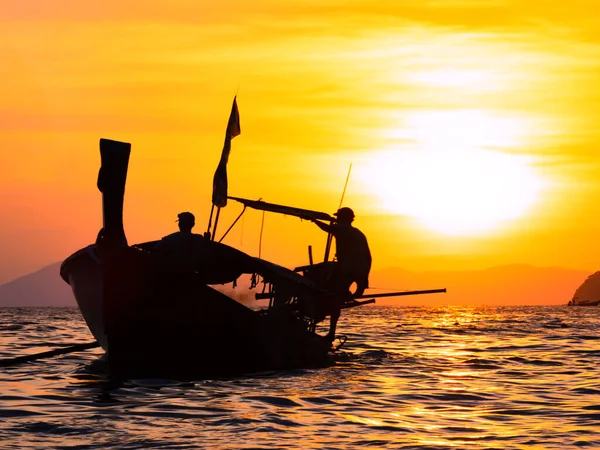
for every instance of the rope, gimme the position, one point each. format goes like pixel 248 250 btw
pixel 262 226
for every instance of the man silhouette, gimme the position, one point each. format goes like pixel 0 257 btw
pixel 179 251
pixel 353 262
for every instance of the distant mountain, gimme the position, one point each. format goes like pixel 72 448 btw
pixel 588 292
pixel 42 288
pixel 517 284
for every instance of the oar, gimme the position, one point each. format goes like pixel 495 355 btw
pixel 60 351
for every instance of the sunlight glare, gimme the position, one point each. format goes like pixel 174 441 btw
pixel 449 173
pixel 454 192
pixel 448 180
pixel 451 77
pixel 459 129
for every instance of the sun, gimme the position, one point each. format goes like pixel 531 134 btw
pixel 449 182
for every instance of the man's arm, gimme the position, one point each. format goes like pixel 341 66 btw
pixel 323 226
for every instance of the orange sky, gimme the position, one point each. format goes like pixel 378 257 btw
pixel 471 126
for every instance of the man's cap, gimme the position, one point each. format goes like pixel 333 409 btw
pixel 344 212
pixel 185 217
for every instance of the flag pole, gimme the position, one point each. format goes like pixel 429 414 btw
pixel 212 210
pixel 219 194
pixel 214 232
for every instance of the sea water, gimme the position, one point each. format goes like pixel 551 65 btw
pixel 408 377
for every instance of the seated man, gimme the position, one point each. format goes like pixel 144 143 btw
pixel 179 252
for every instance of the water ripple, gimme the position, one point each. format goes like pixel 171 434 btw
pixel 408 377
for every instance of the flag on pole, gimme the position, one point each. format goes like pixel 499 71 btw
pixel 219 195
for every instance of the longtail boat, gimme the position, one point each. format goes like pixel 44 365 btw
pixel 153 322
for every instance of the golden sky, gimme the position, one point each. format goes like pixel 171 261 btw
pixel 471 126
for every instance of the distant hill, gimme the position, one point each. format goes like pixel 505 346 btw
pixel 502 285
pixel 42 288
pixel 589 291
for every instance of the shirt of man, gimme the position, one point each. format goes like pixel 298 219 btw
pixel 352 252
pixel 181 251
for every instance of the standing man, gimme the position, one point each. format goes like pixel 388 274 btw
pixel 353 262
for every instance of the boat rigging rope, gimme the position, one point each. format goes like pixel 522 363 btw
pixel 262 226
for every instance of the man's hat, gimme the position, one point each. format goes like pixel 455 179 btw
pixel 186 217
pixel 344 212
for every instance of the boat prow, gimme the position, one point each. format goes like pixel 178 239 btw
pixel 83 271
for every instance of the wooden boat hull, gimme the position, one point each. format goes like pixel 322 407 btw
pixel 155 325
pixel 154 319
pixel 84 272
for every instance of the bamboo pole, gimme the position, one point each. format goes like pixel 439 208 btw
pixel 60 351
pixel 262 296
pixel 214 232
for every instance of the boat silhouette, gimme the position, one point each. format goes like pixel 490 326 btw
pixel 152 322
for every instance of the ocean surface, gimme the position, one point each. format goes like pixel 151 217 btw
pixel 408 377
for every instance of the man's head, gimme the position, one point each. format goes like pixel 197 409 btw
pixel 344 215
pixel 186 221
